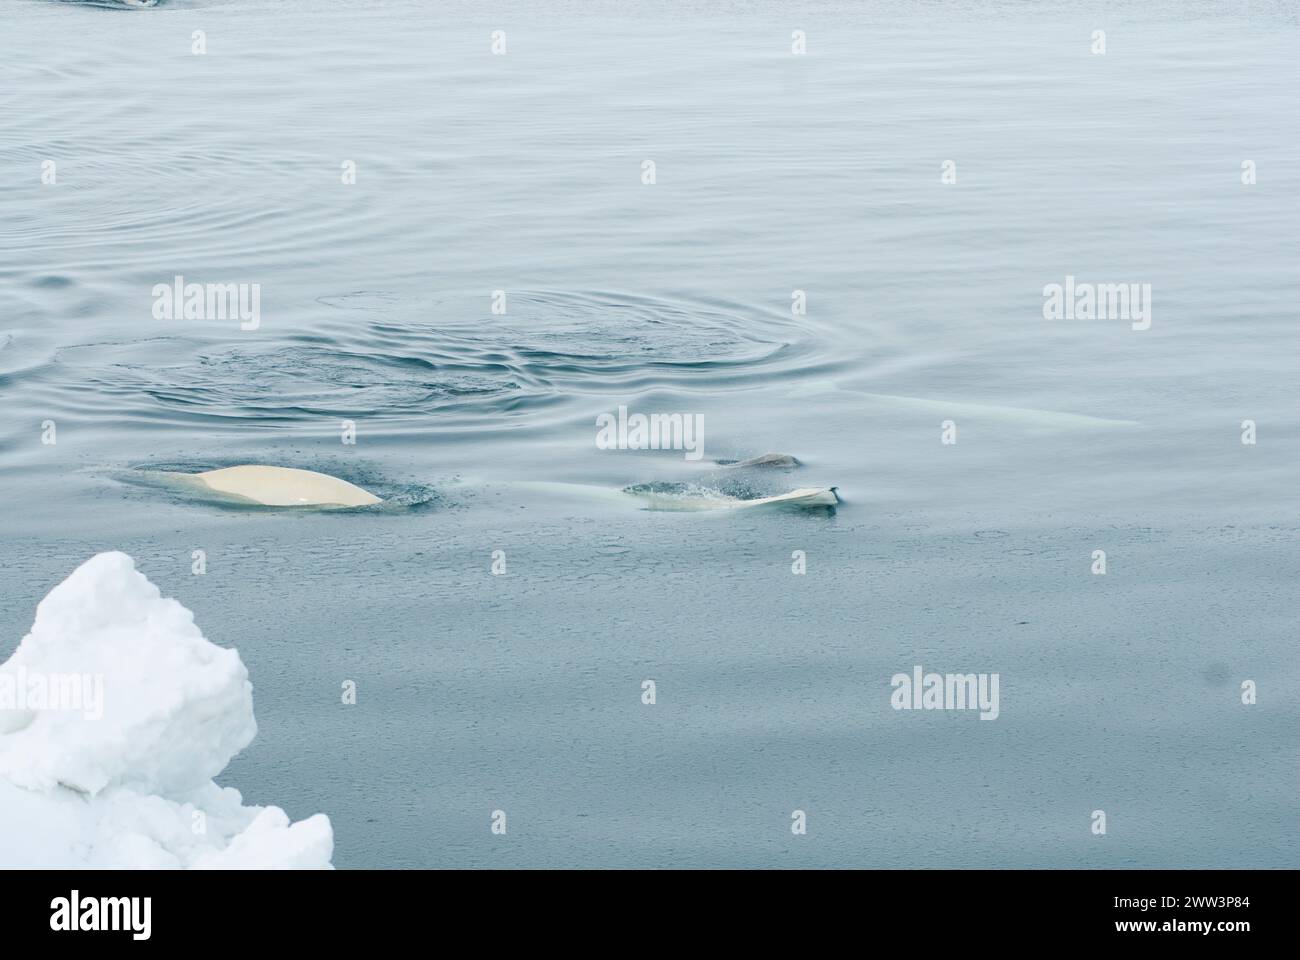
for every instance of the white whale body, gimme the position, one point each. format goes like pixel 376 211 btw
pixel 283 487
pixel 577 495
pixel 803 497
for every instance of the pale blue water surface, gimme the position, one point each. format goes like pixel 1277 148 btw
pixel 775 173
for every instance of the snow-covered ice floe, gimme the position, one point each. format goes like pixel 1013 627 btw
pixel 115 715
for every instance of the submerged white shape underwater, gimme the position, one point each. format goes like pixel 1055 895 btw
pixel 698 500
pixel 676 499
pixel 284 487
pixel 115 714
pixel 803 497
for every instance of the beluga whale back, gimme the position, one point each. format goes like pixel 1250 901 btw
pixel 283 487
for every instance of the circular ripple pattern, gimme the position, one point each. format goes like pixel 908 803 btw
pixel 374 355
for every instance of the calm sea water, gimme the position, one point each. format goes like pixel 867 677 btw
pixel 774 173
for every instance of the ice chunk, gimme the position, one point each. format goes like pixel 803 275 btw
pixel 115 715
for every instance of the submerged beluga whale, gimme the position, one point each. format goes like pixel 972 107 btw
pixel 698 496
pixel 803 497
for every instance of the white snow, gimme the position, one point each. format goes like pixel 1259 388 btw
pixel 115 715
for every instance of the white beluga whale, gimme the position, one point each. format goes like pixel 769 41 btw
pixel 690 500
pixel 282 486
pixel 675 498
pixel 803 497
pixel 705 495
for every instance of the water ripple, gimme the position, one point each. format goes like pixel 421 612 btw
pixel 375 355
